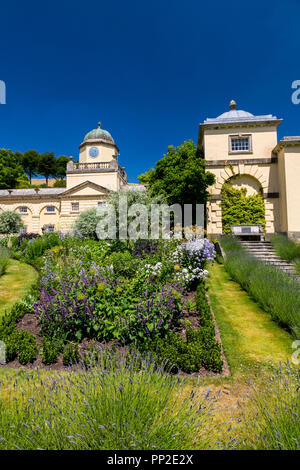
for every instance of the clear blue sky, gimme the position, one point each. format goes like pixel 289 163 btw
pixel 149 71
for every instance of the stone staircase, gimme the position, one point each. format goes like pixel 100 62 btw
pixel 265 252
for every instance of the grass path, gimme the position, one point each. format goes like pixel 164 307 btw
pixel 15 283
pixel 250 338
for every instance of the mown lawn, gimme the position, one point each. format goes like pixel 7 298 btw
pixel 250 338
pixel 15 283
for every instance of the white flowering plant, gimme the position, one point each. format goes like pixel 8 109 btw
pixel 191 259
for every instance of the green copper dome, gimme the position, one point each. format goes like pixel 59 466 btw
pixel 99 134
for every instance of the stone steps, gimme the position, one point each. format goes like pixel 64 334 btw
pixel 265 252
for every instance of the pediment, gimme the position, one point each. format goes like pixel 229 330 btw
pixel 86 189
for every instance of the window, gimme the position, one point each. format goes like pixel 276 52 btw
pixel 240 144
pixel 48 228
pixel 50 209
pixel 23 210
pixel 75 206
pixel 101 203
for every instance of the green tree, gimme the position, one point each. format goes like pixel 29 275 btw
pixel 180 175
pixel 47 165
pixel 30 162
pixel 61 166
pixel 10 222
pixel 11 171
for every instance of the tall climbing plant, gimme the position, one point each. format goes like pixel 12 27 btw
pixel 238 208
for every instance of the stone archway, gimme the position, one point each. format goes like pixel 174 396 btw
pixel 242 202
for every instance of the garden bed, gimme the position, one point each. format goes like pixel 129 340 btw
pixel 91 296
pixel 29 322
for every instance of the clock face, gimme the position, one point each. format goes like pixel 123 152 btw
pixel 93 152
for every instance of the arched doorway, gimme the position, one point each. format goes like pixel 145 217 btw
pixel 242 202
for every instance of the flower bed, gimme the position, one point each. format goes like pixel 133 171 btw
pixel 125 294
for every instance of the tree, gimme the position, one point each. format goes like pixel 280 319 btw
pixel 30 163
pixel 180 175
pixel 87 222
pixel 61 166
pixel 11 171
pixel 47 165
pixel 10 222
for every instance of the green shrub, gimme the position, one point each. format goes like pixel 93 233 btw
pixel 87 222
pixel 124 264
pixel 11 346
pixel 4 259
pixel 10 222
pixel 37 247
pixel 4 242
pixel 27 347
pixel 50 350
pixel 284 247
pixel 70 354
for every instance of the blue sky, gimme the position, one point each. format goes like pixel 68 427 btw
pixel 149 71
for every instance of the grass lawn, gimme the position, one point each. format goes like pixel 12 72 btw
pixel 250 338
pixel 15 283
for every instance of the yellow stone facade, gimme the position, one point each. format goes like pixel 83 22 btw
pixel 243 148
pixel 89 182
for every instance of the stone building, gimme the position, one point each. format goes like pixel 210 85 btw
pixel 89 182
pixel 244 149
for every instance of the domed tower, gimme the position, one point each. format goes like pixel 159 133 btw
pixel 98 162
pixel 98 146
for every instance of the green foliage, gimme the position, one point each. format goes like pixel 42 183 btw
pixel 238 208
pixel 87 222
pixel 30 161
pixel 60 169
pixel 275 291
pixel 11 171
pixel 37 247
pixel 70 354
pixel 125 200
pixel 10 222
pixel 284 247
pixel 123 263
pixel 60 184
pixel 276 408
pixel 47 165
pixel 200 348
pixel 180 175
pixel 50 350
pixel 121 408
pixel 27 347
pixel 4 260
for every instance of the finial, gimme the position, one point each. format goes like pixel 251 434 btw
pixel 99 125
pixel 232 104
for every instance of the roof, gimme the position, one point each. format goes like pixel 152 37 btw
pixel 100 134
pixel 133 187
pixel 31 192
pixel 287 141
pixel 238 116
